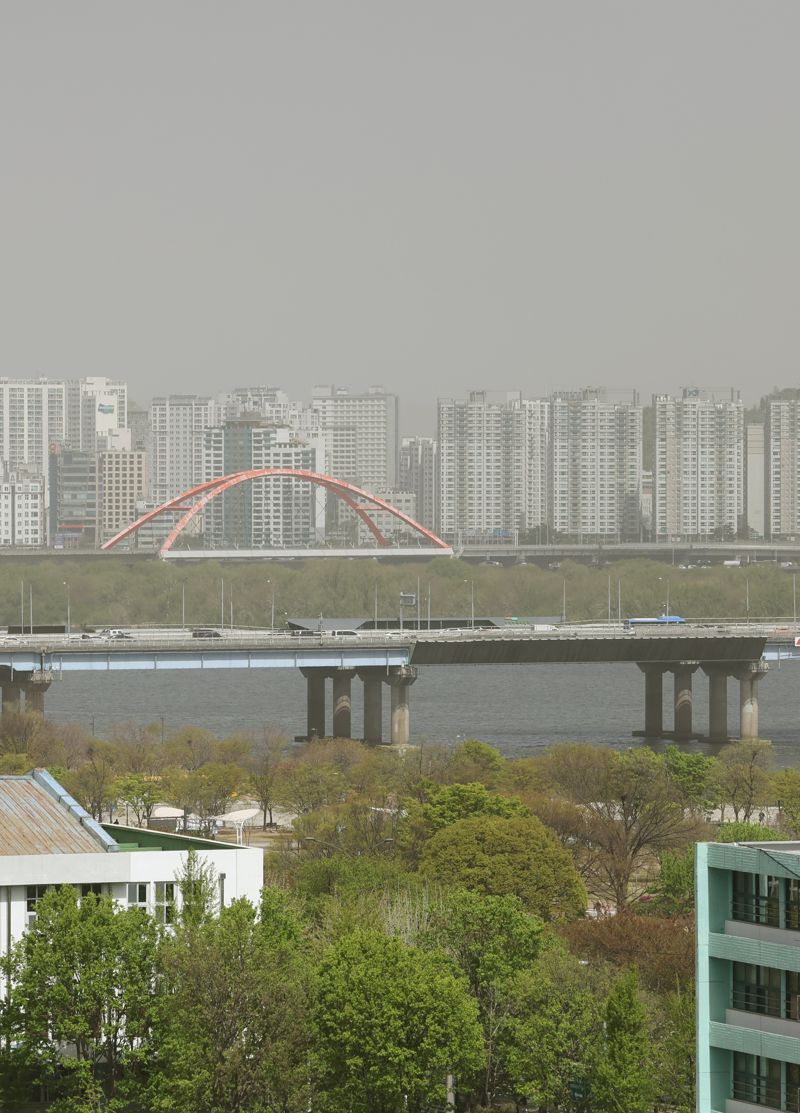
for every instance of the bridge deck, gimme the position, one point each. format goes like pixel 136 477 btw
pixel 156 650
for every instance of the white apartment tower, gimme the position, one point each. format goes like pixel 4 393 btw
pixel 595 466
pixel 782 464
pixel 178 423
pixel 22 510
pixel 361 434
pixel 32 417
pixel 482 465
pixel 699 477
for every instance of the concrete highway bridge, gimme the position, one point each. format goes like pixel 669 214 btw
pixel 29 664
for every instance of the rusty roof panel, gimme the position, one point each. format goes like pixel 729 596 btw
pixel 32 821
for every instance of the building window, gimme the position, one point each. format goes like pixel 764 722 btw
pixel 165 902
pixel 34 894
pixel 138 895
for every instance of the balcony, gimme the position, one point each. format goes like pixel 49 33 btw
pixel 764 918
pixel 760 1008
pixel 753 1094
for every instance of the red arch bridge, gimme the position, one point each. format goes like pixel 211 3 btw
pixel 191 503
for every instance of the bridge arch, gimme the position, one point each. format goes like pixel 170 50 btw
pixel 191 502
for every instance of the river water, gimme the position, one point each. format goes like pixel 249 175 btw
pixel 520 709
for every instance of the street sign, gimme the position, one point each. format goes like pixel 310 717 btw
pixel 408 599
pixel 579 1089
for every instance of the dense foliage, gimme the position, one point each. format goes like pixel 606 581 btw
pixel 440 922
pixel 116 590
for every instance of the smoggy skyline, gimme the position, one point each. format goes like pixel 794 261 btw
pixel 435 197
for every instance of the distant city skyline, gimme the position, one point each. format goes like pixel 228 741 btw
pixel 429 196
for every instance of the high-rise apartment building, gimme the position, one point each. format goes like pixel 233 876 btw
pixel 755 480
pixel 178 423
pixel 569 464
pixel 481 464
pixel 361 435
pixel 595 466
pixel 96 411
pixel 32 417
pixel 22 510
pixel 699 465
pixel 418 474
pixel 121 490
pixel 263 513
pixel 782 464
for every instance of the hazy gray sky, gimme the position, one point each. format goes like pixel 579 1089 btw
pixel 436 195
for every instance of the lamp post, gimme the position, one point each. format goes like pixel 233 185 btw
pixel 66 585
pixel 665 580
pixel 471 602
pixel 272 610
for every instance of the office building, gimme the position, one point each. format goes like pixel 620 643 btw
pixel 748 977
pixel 121 491
pixel 595 466
pixel 699 491
pixel 72 485
pixel 418 473
pixel 782 464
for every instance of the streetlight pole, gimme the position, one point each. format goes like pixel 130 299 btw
pixel 66 585
pixel 272 614
pixel 471 602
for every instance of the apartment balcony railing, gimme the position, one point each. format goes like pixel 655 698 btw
pixel 760 1091
pixel 766 910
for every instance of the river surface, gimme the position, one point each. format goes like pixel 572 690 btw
pixel 520 709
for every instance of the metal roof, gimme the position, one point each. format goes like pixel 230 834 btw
pixel 37 816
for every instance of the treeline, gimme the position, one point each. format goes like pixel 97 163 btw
pixel 117 592
pixel 523 926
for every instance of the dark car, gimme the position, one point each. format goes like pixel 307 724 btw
pixel 206 632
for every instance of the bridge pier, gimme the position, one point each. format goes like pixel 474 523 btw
pixel 748 700
pixel 373 704
pixel 682 723
pixel 400 682
pixel 315 702
pixel 717 703
pixel 653 700
pixel 342 703
pixel 12 692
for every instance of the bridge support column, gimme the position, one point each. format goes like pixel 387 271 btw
pixel 342 703
pixel 373 705
pixel 717 703
pixel 34 695
pixel 11 696
pixel 315 701
pixel 400 683
pixel 682 724
pixel 653 700
pixel 748 701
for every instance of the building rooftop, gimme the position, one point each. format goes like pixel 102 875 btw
pixel 38 816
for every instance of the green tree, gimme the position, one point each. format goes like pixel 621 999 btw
pixel 623 1079
pixel 199 890
pixel 263 767
pixel 391 1021
pixel 626 811
pixel 82 997
pixel 786 792
pixel 231 1032
pixel 138 792
pixel 449 803
pixel 492 939
pixel 518 857
pixel 675 1050
pixel 674 890
pixel 743 774
pixel 693 775
pixel 550 1040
